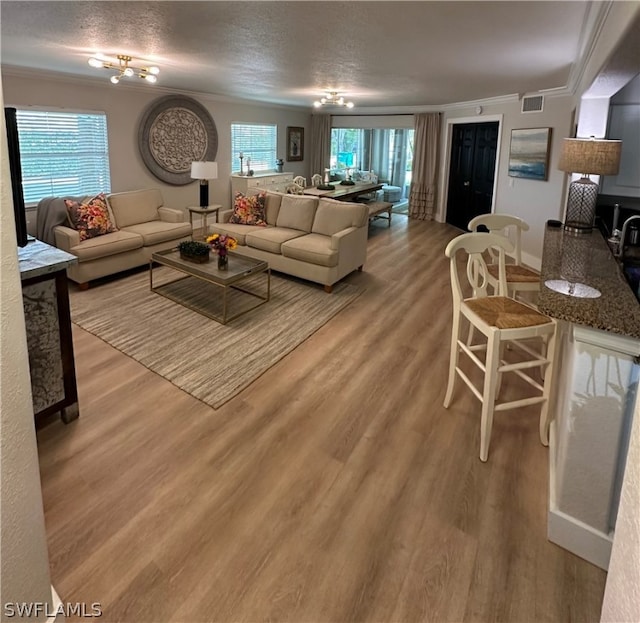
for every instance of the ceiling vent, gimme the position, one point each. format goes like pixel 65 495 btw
pixel 533 103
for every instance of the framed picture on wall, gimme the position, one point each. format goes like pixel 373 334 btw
pixel 529 153
pixel 295 144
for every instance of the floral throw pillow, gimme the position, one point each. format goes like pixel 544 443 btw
pixel 249 210
pixel 90 219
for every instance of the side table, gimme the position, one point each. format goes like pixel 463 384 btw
pixel 204 213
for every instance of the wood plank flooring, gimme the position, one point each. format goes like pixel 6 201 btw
pixel 336 488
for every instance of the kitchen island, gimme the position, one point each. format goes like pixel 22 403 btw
pixel 596 373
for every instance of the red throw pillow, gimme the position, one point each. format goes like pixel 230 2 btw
pixel 249 210
pixel 90 219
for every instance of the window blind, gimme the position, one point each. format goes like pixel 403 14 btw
pixel 258 142
pixel 63 153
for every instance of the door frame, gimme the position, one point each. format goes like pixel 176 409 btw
pixel 441 215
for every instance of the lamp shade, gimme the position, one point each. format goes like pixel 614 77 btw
pixel 590 156
pixel 204 170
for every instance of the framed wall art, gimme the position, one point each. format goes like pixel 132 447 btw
pixel 529 153
pixel 295 144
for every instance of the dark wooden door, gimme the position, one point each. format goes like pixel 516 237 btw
pixel 471 171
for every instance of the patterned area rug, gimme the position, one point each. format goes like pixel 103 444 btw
pixel 210 361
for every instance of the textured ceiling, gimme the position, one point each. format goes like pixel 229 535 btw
pixel 380 54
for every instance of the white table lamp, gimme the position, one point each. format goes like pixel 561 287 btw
pixel 204 171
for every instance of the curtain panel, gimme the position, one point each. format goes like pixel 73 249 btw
pixel 320 153
pixel 424 177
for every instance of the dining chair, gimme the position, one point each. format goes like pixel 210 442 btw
pixel 294 189
pixel 301 181
pixel 316 179
pixel 502 321
pixel 519 277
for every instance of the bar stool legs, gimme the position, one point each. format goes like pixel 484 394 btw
pixel 505 324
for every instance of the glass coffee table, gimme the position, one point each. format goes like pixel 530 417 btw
pixel 222 295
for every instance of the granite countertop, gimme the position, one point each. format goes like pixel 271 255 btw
pixel 39 258
pixel 587 259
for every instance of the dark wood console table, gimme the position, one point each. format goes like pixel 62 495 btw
pixel 45 297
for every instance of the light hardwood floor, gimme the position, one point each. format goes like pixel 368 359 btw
pixel 336 488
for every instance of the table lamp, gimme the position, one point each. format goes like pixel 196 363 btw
pixel 204 171
pixel 586 156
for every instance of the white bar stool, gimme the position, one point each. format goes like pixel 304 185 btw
pixel 519 278
pixel 502 320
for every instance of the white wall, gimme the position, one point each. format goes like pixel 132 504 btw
pixel 629 95
pixel 24 565
pixel 532 200
pixel 624 123
pixel 125 105
pixel 622 592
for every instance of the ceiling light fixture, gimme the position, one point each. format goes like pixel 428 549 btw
pixel 332 98
pixel 124 69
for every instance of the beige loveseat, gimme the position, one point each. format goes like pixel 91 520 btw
pixel 318 239
pixel 144 227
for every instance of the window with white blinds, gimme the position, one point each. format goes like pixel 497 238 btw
pixel 63 153
pixel 258 142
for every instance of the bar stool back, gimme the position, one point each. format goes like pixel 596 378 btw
pixel 519 278
pixel 501 320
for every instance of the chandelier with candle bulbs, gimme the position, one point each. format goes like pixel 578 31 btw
pixel 332 98
pixel 124 69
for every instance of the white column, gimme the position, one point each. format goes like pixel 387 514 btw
pixel 24 565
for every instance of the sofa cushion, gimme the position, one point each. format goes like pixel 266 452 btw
pixel 133 207
pixel 297 212
pixel 155 232
pixel 313 249
pixel 271 238
pixel 272 203
pixel 239 232
pixel 334 216
pixel 109 244
pixel 90 219
pixel 248 210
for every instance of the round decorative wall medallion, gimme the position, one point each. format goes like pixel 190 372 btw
pixel 175 131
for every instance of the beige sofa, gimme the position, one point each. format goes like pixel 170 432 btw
pixel 317 239
pixel 144 227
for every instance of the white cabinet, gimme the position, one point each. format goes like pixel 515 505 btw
pixel 596 398
pixel 251 184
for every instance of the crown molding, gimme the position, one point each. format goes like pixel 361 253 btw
pixel 10 70
pixel 589 36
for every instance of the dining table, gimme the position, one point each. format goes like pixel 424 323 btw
pixel 344 192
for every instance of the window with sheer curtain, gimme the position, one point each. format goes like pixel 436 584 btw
pixel 387 152
pixel 258 142
pixel 63 153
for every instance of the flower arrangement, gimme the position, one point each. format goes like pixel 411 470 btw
pixel 222 243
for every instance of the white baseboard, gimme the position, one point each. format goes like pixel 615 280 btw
pixel 531 261
pixel 579 538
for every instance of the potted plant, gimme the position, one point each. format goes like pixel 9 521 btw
pixel 194 251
